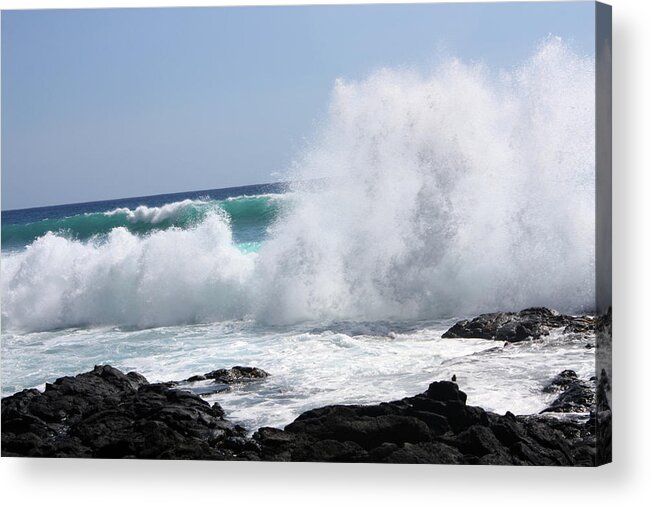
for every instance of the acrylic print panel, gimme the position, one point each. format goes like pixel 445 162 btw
pixel 374 233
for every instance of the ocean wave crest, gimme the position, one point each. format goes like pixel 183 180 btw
pixel 169 277
pixel 246 211
pixel 155 215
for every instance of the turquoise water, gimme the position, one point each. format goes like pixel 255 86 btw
pixel 250 210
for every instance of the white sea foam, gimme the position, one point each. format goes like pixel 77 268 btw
pixel 449 193
pixel 309 367
pixel 169 277
pixel 155 215
pixel 265 196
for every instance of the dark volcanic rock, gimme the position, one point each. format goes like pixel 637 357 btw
pixel 514 327
pixel 562 381
pixel 576 396
pixel 435 427
pixel 105 413
pixel 237 374
pixel 346 423
pixel 580 325
pixel 221 380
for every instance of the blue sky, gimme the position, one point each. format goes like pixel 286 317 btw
pixel 102 104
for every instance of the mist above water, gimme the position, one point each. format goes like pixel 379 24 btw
pixel 456 192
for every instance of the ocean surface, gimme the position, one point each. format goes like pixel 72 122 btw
pixel 404 220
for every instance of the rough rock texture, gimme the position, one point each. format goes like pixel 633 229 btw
pixel 579 325
pixel 220 380
pixel 237 374
pixel 576 396
pixel 561 382
pixel 435 427
pixel 105 413
pixel 514 327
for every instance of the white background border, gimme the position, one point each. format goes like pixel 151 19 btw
pixel 626 481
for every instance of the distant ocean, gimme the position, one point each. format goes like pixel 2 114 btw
pixel 339 287
pixel 250 210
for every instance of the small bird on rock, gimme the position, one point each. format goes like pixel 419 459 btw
pixel 454 378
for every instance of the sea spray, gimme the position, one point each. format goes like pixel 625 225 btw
pixel 445 194
pixel 450 194
pixel 169 277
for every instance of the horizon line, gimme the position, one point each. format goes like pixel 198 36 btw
pixel 141 196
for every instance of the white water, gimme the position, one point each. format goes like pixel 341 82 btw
pixel 309 367
pixel 452 193
pixel 169 277
pixel 449 194
pixel 155 215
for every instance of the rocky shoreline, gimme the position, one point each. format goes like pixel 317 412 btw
pixel 105 413
pixel 531 323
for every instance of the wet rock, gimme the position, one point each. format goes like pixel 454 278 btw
pixel 484 326
pixel 576 395
pixel 450 433
pixel 204 389
pixel 237 374
pixel 221 380
pixel 580 325
pixel 531 323
pixel 561 382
